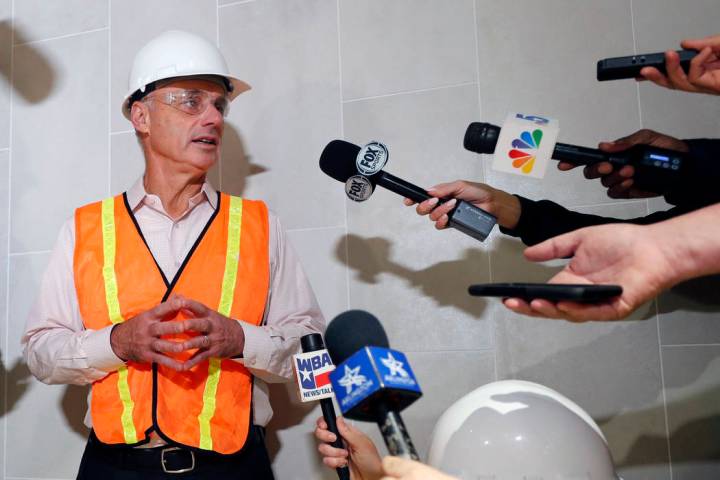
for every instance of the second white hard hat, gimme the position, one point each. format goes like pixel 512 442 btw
pixel 178 54
pixel 514 430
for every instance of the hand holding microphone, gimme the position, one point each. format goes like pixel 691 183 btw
pixel 361 170
pixel 360 454
pixel 620 180
pixel 312 370
pixel 656 169
pixel 503 205
pixel 372 383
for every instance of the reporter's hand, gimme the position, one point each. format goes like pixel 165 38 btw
pixel 504 206
pixel 361 455
pixel 703 75
pixel 620 182
pixel 138 338
pixel 404 469
pixel 629 255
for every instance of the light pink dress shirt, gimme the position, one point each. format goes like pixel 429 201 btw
pixel 59 350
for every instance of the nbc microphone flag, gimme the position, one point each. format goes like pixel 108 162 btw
pixel 525 145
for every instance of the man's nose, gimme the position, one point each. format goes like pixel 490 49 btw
pixel 212 116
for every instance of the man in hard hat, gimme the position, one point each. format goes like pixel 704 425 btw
pixel 176 302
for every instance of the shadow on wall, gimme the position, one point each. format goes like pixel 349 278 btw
pixel 694 445
pixel 636 431
pixel 74 405
pixel 36 70
pixel 289 412
pixel 370 257
pixel 235 166
pixel 17 379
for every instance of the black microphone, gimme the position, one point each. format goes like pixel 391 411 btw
pixel 313 342
pixel 656 169
pixel 371 381
pixel 338 160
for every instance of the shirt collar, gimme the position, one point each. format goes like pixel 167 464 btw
pixel 136 194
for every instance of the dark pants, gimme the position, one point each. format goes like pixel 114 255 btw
pixel 105 462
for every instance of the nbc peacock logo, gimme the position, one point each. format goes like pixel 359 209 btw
pixel 523 152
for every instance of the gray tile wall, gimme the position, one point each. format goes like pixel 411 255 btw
pixel 412 73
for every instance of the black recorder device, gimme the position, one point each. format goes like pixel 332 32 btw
pixel 617 68
pixel 656 169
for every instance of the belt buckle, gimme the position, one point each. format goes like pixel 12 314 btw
pixel 179 470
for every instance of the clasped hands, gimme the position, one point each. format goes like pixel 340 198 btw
pixel 139 339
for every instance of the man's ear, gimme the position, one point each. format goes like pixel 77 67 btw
pixel 140 117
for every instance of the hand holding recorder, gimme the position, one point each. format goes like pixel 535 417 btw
pixel 702 74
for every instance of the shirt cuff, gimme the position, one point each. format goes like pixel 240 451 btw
pixel 258 347
pixel 99 353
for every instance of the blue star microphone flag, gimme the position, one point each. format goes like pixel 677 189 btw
pixel 370 374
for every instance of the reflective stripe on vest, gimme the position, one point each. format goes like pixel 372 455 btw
pixel 116 278
pixel 113 304
pixel 232 256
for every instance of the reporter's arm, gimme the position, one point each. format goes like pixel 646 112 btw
pixel 396 468
pixel 643 260
pixel 543 219
pixel 698 185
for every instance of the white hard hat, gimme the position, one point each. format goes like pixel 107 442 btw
pixel 178 54
pixel 515 430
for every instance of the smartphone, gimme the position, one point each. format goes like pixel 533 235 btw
pixel 617 68
pixel 547 291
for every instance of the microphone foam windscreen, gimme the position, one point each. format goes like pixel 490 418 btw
pixel 352 330
pixel 338 160
pixel 481 137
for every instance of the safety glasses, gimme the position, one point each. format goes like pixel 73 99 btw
pixel 192 102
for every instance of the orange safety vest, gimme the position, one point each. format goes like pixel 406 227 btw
pixel 116 278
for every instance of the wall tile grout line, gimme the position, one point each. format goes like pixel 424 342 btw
pixel 6 346
pixel 690 345
pixel 217 44
pixel 241 2
pixel 342 135
pixel 34 478
pixel 453 350
pixel 657 310
pixel 122 132
pixel 35 252
pixel 635 51
pixel 409 92
pixel 61 37
pixel 109 107
pixel 314 229
pixel 483 167
pixel 609 204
